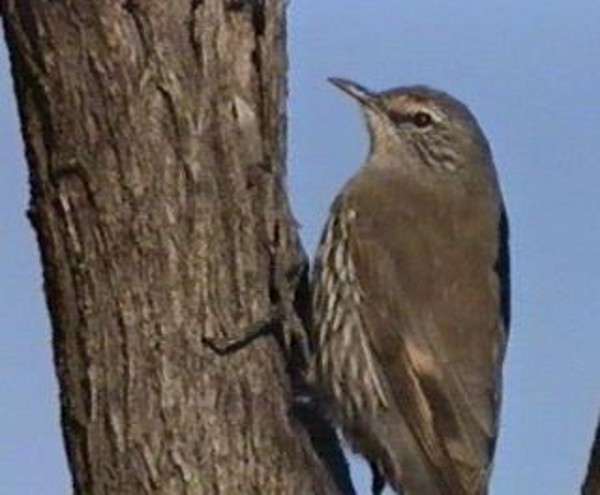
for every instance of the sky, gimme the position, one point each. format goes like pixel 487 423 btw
pixel 530 71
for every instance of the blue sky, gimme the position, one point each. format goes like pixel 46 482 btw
pixel 530 71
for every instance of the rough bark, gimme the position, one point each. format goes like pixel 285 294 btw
pixel 591 485
pixel 155 140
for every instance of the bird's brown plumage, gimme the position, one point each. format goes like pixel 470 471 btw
pixel 412 365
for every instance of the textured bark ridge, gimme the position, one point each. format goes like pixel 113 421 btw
pixel 155 139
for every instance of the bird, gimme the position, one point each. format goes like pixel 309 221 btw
pixel 411 296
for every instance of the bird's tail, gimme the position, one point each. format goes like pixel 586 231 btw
pixel 408 468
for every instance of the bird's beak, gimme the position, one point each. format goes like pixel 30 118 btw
pixel 358 92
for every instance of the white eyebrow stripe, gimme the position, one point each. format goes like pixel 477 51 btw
pixel 413 107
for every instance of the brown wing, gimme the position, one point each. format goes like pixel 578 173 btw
pixel 433 302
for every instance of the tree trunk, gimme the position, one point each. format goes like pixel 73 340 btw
pixel 591 484
pixel 155 139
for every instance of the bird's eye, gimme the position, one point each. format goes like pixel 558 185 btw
pixel 422 119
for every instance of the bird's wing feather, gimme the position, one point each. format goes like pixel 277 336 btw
pixel 433 303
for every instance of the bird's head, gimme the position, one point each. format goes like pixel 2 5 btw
pixel 416 126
